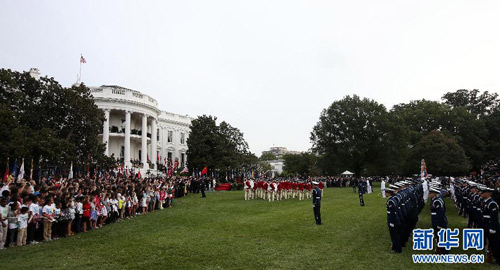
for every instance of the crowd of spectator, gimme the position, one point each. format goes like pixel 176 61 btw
pixel 34 211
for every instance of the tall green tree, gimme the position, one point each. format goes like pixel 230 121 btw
pixel 442 154
pixel 267 156
pixel 51 122
pixel 475 102
pixel 422 116
pixel 481 127
pixel 304 164
pixel 218 147
pixel 348 134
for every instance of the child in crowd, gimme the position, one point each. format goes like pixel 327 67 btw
pixel 86 214
pixel 4 221
pixel 12 216
pixel 48 219
pixel 58 220
pixel 70 216
pixel 22 231
pixel 78 214
pixel 93 213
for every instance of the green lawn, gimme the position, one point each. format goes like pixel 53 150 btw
pixel 223 231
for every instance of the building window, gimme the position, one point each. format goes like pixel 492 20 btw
pixel 182 160
pixel 182 138
pixel 122 152
pixel 170 135
pixel 157 134
pixel 169 156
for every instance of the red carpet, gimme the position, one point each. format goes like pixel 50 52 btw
pixel 224 187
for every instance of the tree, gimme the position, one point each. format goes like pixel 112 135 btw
pixel 304 164
pixel 422 116
pixel 475 102
pixel 442 154
pixel 217 146
pixel 268 156
pixel 349 134
pixel 203 140
pixel 51 122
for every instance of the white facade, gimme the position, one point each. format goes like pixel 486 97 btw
pixel 276 165
pixel 128 112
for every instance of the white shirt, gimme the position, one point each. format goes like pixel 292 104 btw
pixel 5 213
pixel 79 208
pixel 34 209
pixel 47 209
pixel 23 220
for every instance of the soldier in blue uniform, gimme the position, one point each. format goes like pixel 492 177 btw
pixel 361 191
pixel 490 222
pixel 438 214
pixel 316 195
pixel 394 220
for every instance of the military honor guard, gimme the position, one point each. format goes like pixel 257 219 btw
pixel 438 214
pixel 316 195
pixel 404 203
pixel 301 190
pixel 393 220
pixel 308 190
pixel 248 189
pixel 361 191
pixel 490 222
pixel 382 188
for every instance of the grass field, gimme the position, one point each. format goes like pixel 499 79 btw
pixel 223 231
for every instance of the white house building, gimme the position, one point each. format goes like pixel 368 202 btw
pixel 276 166
pixel 136 131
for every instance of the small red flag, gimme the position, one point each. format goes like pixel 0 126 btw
pixel 6 175
pixel 204 171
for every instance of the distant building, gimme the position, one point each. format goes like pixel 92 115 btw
pixel 279 152
pixel 135 128
pixel 276 166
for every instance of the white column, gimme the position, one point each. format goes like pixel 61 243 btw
pixel 126 155
pixel 153 143
pixel 144 142
pixel 105 131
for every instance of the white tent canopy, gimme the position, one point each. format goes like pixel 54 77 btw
pixel 347 173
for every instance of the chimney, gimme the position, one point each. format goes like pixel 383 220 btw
pixel 35 73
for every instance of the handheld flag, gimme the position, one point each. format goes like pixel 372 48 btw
pixel 204 171
pixel 31 170
pixel 21 172
pixel 185 170
pixel 14 171
pixel 6 174
pixel 70 176
pixel 423 169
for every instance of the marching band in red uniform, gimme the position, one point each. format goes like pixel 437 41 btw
pixel 278 189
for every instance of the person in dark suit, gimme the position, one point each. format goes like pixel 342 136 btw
pixel 317 203
pixel 202 187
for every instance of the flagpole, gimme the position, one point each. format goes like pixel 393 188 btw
pixel 80 76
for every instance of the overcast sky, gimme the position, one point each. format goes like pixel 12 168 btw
pixel 266 67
